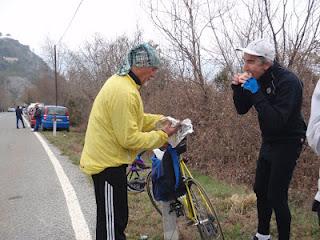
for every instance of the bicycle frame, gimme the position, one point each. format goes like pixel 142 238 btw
pixel 186 174
pixel 194 205
pixel 137 165
pixel 189 205
pixel 133 169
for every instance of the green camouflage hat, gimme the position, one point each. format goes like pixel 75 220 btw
pixel 143 55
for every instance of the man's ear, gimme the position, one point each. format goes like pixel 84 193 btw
pixel 267 65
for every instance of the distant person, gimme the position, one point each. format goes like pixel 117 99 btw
pixel 19 116
pixel 37 115
pixel 276 94
pixel 118 129
pixel 313 136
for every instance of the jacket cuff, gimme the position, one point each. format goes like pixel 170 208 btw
pixel 257 97
pixel 236 87
pixel 164 136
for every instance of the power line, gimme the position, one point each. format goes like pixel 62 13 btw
pixel 74 15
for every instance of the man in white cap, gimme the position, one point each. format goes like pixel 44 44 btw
pixel 313 136
pixel 276 94
pixel 118 129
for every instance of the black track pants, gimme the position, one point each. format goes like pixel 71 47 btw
pixel 21 119
pixel 112 203
pixel 273 175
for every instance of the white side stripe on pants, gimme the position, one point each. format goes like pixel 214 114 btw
pixel 109 211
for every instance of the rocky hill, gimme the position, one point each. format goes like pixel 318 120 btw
pixel 20 68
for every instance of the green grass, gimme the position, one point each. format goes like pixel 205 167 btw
pixel 218 188
pixel 69 143
pixel 235 204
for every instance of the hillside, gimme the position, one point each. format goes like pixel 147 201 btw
pixel 19 68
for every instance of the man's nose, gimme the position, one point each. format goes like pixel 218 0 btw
pixel 245 67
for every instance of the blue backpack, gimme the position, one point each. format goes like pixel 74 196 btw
pixel 167 182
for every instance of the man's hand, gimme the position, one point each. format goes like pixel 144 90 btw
pixel 316 208
pixel 168 129
pixel 235 79
pixel 241 78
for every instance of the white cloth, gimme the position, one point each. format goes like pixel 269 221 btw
pixel 313 131
pixel 185 129
pixel 159 153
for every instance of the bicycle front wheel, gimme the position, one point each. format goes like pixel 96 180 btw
pixel 135 183
pixel 204 214
pixel 154 202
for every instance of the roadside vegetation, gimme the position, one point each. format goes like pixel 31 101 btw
pixel 197 49
pixel 234 203
pixel 69 143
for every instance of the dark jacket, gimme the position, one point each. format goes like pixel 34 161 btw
pixel 19 112
pixel 278 103
pixel 37 113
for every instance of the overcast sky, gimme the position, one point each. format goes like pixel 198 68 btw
pixel 32 21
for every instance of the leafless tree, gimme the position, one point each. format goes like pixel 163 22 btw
pixel 184 24
pixel 89 68
pixel 293 27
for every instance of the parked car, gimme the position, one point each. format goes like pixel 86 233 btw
pixel 30 112
pixel 61 114
pixel 11 109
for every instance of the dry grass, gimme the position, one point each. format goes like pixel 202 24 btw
pixel 234 203
pixel 242 203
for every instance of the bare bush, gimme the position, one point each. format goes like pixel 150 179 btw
pixel 198 55
pixel 202 32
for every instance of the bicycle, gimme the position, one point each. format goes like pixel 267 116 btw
pixel 195 205
pixel 136 175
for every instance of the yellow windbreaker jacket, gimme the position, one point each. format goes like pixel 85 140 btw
pixel 118 128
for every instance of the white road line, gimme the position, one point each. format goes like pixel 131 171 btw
pixel 79 224
pixel 26 122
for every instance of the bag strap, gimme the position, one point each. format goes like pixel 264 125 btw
pixel 176 165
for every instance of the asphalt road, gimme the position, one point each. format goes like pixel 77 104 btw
pixel 42 194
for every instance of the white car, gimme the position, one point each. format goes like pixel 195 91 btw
pixel 11 109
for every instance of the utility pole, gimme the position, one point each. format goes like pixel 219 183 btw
pixel 55 73
pixel 56 83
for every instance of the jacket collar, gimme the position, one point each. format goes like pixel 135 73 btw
pixel 135 78
pixel 268 76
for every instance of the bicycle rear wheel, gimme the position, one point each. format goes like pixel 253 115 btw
pixel 204 214
pixel 154 202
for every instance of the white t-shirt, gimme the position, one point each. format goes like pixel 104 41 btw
pixel 313 131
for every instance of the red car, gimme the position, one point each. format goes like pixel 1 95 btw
pixel 30 111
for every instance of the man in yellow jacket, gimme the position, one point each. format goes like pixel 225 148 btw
pixel 118 129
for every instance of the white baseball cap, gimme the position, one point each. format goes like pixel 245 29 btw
pixel 261 48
